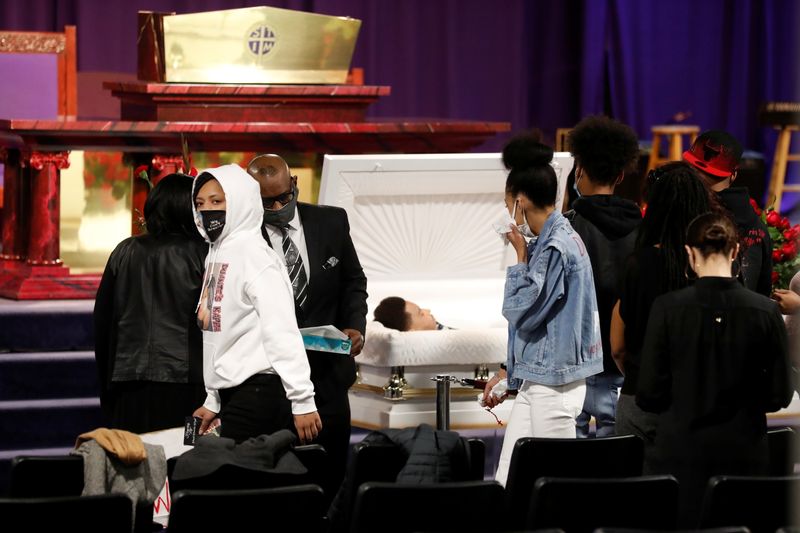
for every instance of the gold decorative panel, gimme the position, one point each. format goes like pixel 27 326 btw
pixel 258 45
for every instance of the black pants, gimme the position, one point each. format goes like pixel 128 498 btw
pixel 256 407
pixel 335 438
pixel 145 406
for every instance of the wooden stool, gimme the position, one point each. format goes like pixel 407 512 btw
pixel 562 135
pixel 782 158
pixel 674 136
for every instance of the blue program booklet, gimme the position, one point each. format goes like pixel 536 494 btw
pixel 326 339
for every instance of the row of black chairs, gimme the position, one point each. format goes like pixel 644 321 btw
pixel 537 495
pixel 45 494
pixel 645 503
pixel 611 457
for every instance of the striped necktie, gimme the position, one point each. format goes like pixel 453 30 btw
pixel 294 265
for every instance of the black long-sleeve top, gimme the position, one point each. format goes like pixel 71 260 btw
pixel 714 361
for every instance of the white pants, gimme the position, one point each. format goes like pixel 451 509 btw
pixel 541 411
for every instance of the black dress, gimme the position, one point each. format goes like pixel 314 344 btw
pixel 714 361
pixel 644 280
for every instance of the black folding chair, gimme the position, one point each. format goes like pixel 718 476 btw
pixel 782 451
pixel 379 462
pixel 762 504
pixel 532 458
pixel 477 458
pixel 295 508
pixel 107 513
pixel 441 507
pixel 382 462
pixel 39 476
pixel 43 476
pixel 314 458
pixel 740 529
pixel 647 502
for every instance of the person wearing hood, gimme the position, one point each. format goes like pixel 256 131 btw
pixel 329 287
pixel 603 149
pixel 716 155
pixel 256 373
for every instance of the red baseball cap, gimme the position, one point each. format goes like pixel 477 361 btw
pixel 715 152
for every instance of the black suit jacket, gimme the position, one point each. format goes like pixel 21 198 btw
pixel 337 294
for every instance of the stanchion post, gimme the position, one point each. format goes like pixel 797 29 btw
pixel 443 402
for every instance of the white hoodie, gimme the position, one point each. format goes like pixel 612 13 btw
pixel 246 308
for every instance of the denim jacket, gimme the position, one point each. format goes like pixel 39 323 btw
pixel 550 304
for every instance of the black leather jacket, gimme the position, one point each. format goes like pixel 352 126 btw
pixel 144 314
pixel 608 226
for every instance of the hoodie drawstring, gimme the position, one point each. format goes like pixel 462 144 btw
pixel 208 263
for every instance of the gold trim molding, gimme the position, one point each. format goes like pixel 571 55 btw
pixel 411 392
pixel 32 43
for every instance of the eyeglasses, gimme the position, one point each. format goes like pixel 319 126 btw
pixel 283 199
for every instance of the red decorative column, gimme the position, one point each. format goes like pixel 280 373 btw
pixel 15 200
pixel 32 269
pixel 44 238
pixel 160 166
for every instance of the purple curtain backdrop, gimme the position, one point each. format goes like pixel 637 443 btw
pixel 717 61
pixel 534 63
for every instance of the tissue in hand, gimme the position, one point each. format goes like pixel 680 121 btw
pixel 497 391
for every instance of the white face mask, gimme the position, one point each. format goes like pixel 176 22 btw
pixel 524 228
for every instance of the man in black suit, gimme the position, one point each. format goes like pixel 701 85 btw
pixel 330 288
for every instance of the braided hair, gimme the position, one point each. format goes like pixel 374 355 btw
pixel 675 197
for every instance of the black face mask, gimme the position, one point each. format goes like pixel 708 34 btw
pixel 213 223
pixel 281 217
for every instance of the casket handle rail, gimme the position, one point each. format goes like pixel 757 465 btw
pixel 393 390
pixel 398 389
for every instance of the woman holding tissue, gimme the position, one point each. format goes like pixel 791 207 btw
pixel 554 330
pixel 255 366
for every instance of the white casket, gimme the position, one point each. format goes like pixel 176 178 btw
pixel 422 227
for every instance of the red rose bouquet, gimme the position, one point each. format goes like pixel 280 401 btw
pixel 785 246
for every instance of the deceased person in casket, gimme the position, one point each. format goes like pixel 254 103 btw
pixel 396 313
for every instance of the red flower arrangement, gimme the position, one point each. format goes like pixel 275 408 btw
pixel 785 245
pixel 142 172
pixel 105 179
